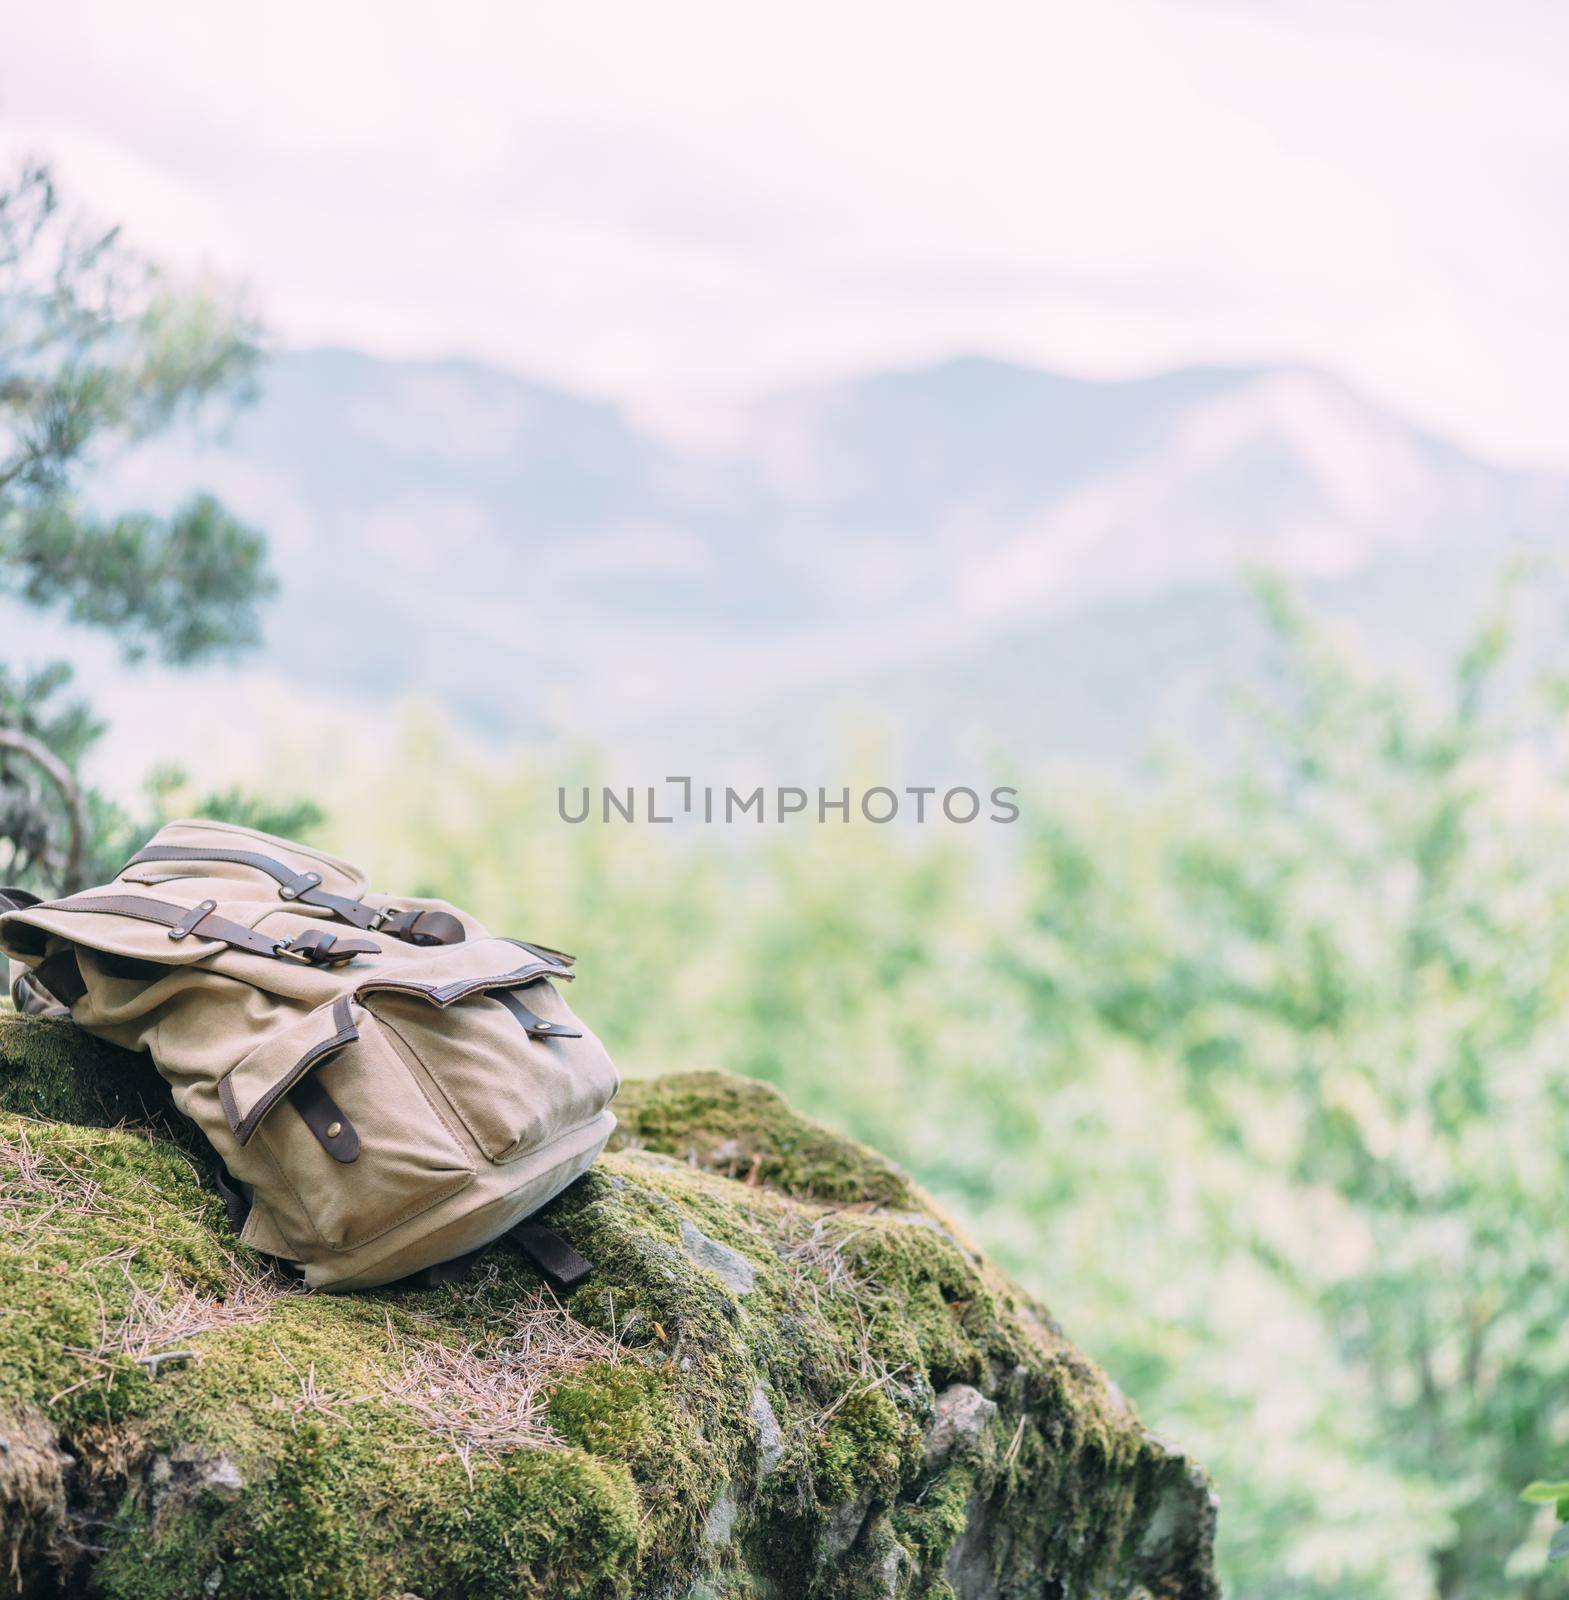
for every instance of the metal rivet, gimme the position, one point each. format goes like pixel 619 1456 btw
pixel 334 1129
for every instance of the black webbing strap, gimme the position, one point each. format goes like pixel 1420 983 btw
pixel 238 1204
pixel 560 1264
pixel 554 1257
pixel 453 1271
pixel 235 1201
pixel 61 976
pixel 416 927
pixel 316 949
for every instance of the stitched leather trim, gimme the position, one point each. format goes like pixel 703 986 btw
pixel 245 1126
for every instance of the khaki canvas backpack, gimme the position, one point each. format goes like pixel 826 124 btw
pixel 389 1087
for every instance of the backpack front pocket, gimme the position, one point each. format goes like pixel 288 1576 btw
pixel 499 1043
pixel 356 1143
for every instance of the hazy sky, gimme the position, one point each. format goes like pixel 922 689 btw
pixel 680 200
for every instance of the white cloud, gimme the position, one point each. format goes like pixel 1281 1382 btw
pixel 672 200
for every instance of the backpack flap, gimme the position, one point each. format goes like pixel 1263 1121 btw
pixel 256 1083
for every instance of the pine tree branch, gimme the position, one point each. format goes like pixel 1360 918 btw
pixel 58 774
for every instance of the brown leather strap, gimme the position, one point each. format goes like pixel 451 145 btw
pixel 246 1125
pixel 323 949
pixel 178 920
pixel 421 927
pixel 334 1132
pixel 534 1025
pixel 193 919
pixel 416 927
pixel 182 921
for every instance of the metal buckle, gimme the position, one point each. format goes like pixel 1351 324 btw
pixel 383 917
pixel 285 950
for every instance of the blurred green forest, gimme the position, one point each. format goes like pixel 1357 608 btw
pixel 1261 1081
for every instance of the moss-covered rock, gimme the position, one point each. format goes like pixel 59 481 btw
pixel 788 1376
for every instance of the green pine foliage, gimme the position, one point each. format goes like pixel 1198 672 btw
pixel 98 351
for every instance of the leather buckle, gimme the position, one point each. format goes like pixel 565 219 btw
pixel 423 928
pixel 316 949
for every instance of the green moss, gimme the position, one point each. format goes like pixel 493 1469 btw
pixel 746 1130
pixel 543 1523
pixel 862 1308
pixel 641 1417
pixel 49 1068
pixel 613 1410
pixel 301 1545
pixel 93 1219
pixel 929 1527
pixel 135 1567
pixel 866 1447
pixel 340 1516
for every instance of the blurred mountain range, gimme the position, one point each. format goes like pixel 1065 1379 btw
pixel 977 556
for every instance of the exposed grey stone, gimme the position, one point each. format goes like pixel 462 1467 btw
pixel 1181 1526
pixel 960 1417
pixel 890 1561
pixel 770 1437
pixel 890 1571
pixel 732 1268
pixel 719 1525
pixel 842 1525
pixel 181 1474
pixel 971 1565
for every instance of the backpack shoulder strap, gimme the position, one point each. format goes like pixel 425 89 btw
pixel 56 979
